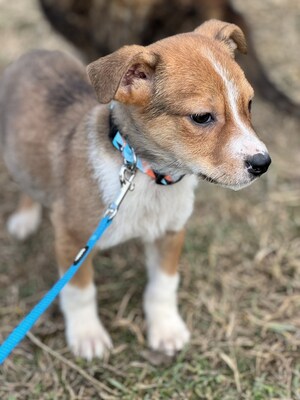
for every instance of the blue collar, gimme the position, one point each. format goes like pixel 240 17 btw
pixel 128 154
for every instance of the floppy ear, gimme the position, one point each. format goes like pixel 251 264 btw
pixel 125 75
pixel 228 34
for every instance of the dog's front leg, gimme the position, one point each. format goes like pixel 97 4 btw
pixel 166 330
pixel 86 336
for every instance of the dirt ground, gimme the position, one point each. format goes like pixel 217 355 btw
pixel 240 289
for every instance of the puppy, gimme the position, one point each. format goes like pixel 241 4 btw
pixel 183 105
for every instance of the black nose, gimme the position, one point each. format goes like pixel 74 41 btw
pixel 258 164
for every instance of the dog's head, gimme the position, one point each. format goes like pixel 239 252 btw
pixel 189 102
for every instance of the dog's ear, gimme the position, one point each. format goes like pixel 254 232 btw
pixel 125 75
pixel 228 34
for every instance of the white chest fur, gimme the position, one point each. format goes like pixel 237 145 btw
pixel 149 210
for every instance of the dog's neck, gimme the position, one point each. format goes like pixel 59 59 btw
pixel 122 141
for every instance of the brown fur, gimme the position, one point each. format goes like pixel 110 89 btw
pixel 100 27
pixel 40 84
pixel 170 248
pixel 229 34
pixel 25 203
pixel 47 155
pixel 66 247
pixel 174 66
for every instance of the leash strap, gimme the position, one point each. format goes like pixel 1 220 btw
pixel 127 174
pixel 18 334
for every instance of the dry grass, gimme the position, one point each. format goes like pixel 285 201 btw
pixel 239 294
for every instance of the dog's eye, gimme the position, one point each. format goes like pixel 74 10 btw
pixel 250 106
pixel 202 119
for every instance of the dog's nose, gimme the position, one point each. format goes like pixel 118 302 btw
pixel 258 164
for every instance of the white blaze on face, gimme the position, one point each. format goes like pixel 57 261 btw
pixel 244 143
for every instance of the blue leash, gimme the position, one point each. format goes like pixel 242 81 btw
pixel 127 174
pixel 18 334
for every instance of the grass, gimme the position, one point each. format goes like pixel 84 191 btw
pixel 239 295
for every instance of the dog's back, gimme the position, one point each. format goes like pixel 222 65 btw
pixel 54 88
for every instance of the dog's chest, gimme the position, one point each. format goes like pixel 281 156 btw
pixel 149 210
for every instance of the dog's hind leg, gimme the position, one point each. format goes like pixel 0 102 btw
pixel 26 219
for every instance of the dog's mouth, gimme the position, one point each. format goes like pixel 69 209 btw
pixel 233 186
pixel 207 178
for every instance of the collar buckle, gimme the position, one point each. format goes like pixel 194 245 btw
pixel 126 175
pixel 131 161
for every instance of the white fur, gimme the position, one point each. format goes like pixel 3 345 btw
pixel 85 333
pixel 245 142
pixel 149 210
pixel 166 330
pixel 23 223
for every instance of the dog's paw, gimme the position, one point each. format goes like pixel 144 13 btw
pixel 88 339
pixel 23 223
pixel 167 333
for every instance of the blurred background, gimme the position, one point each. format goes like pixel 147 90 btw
pixel 241 263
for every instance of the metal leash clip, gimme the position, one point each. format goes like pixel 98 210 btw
pixel 126 175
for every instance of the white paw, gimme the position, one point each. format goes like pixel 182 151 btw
pixel 167 332
pixel 23 223
pixel 85 334
pixel 88 339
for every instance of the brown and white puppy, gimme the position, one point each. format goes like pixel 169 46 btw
pixel 184 105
